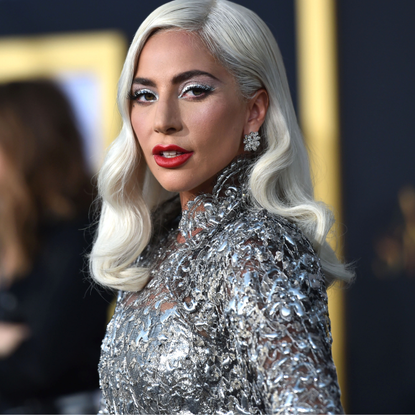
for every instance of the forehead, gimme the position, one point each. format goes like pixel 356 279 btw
pixel 169 52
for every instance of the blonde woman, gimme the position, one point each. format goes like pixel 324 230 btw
pixel 209 228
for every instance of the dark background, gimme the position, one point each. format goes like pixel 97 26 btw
pixel 377 98
pixel 377 102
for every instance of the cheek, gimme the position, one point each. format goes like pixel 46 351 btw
pixel 140 129
pixel 141 138
pixel 218 121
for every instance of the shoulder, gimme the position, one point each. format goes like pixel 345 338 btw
pixel 267 227
pixel 270 241
pixel 269 258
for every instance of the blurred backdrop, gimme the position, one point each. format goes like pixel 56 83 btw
pixel 351 66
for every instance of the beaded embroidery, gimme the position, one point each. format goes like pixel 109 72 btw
pixel 234 320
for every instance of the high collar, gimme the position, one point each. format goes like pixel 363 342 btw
pixel 208 211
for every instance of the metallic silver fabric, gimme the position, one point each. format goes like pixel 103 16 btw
pixel 233 321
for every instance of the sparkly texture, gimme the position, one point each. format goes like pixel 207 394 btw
pixel 233 321
pixel 252 141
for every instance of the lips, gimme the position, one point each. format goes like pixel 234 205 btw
pixel 170 156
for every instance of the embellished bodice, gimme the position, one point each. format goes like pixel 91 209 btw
pixel 234 318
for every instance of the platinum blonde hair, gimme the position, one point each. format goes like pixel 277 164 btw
pixel 279 180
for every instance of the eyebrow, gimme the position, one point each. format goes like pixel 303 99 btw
pixel 176 79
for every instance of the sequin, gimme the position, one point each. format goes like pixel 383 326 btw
pixel 233 321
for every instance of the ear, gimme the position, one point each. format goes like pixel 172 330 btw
pixel 257 111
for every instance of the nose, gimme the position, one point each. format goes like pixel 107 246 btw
pixel 167 119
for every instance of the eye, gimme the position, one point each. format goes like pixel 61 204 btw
pixel 196 91
pixel 143 95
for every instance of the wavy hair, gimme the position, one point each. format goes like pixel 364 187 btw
pixel 280 179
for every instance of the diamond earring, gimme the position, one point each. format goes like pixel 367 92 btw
pixel 252 141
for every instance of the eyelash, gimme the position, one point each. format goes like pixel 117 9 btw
pixel 192 87
pixel 135 95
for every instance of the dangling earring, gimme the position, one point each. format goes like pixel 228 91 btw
pixel 251 141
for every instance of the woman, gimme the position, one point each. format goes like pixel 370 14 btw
pixel 223 305
pixel 51 323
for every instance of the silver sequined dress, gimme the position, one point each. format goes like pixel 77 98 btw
pixel 233 321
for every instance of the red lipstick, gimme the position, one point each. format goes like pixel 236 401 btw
pixel 170 156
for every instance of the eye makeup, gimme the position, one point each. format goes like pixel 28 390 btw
pixel 197 87
pixel 198 91
pixel 142 93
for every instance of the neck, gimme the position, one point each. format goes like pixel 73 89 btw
pixel 205 188
pixel 210 204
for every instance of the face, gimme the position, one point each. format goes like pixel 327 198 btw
pixel 187 112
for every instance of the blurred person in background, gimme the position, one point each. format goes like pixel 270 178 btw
pixel 51 320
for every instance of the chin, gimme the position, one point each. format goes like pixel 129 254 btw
pixel 185 182
pixel 174 187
